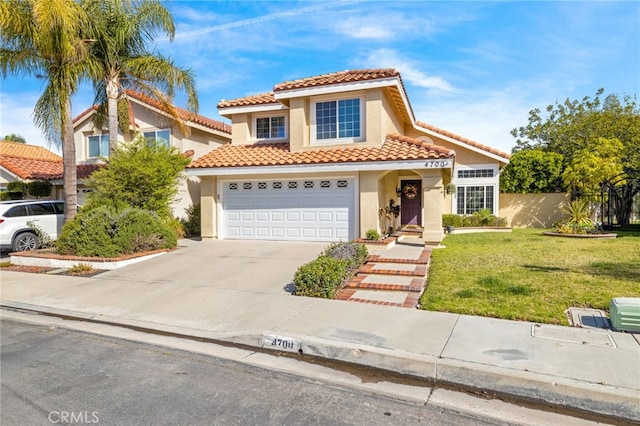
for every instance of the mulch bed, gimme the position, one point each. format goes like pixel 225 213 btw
pixel 46 269
pixel 24 268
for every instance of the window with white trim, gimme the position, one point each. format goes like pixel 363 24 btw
pixel 270 127
pixel 98 145
pixel 470 199
pixel 338 120
pixel 160 137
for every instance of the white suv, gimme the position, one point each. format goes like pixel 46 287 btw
pixel 16 235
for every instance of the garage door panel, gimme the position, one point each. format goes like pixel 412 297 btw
pixel 302 209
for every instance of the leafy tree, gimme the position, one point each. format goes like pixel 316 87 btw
pixel 15 138
pixel 572 128
pixel 532 171
pixel 139 174
pixel 120 60
pixel 600 161
pixel 41 38
pixel 569 126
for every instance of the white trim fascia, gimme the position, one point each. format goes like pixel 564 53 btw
pixel 83 119
pixel 189 123
pixel 312 168
pixel 15 176
pixel 251 109
pixel 337 88
pixel 461 144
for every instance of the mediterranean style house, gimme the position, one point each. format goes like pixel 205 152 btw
pixel 149 118
pixel 321 158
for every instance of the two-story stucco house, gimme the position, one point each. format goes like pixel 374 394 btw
pixel 149 118
pixel 316 159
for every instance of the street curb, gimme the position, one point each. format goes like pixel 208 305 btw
pixel 623 403
pixel 600 399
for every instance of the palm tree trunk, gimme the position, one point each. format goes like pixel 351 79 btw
pixel 69 175
pixel 112 110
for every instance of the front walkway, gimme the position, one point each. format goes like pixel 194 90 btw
pixel 391 277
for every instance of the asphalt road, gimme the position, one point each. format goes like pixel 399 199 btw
pixel 52 375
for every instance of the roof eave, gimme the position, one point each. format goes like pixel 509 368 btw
pixel 447 163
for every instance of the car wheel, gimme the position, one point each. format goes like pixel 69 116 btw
pixel 26 241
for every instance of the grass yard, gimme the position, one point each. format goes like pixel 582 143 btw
pixel 527 276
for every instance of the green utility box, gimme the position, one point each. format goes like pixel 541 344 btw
pixel 625 314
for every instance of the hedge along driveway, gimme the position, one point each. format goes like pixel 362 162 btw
pixel 527 276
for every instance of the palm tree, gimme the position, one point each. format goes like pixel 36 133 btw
pixel 41 38
pixel 121 61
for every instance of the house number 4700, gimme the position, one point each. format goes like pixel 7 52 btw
pixel 281 343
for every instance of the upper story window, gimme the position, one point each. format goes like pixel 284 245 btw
pixel 270 127
pixel 475 173
pixel 160 137
pixel 98 146
pixel 338 121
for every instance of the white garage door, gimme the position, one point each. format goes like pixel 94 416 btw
pixel 296 209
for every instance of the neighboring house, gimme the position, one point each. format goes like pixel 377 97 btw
pixel 317 159
pixel 149 118
pixel 24 162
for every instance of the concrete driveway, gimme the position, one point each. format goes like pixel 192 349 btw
pixel 253 266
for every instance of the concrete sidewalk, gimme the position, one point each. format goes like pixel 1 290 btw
pixel 593 370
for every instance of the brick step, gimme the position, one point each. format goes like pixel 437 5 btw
pixel 415 287
pixel 375 269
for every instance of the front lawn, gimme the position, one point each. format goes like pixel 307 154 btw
pixel 527 276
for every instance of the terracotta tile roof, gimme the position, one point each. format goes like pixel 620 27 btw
pixel 321 80
pixel 35 162
pixel 23 150
pixel 464 140
pixel 83 171
pixel 260 99
pixel 394 148
pixel 183 113
pixel 348 76
pixel 33 168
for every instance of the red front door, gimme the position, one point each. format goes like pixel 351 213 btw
pixel 411 202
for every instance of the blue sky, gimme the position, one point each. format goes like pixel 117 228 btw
pixel 473 68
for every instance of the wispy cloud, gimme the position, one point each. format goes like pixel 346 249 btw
pixel 389 58
pixel 264 18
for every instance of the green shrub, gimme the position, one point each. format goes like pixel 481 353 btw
pixel 108 232
pixel 321 277
pixel 192 223
pixel 45 239
pixel 452 220
pixel 372 234
pixel 39 188
pixel 479 218
pixel 354 254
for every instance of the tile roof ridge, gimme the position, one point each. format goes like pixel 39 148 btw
pixel 185 114
pixel 262 98
pixel 38 152
pixel 423 144
pixel 463 139
pixel 325 79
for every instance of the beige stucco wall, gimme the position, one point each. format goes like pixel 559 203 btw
pixel 432 205
pixel 209 207
pixel 199 140
pixel 299 122
pixel 532 210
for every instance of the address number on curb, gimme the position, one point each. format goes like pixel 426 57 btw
pixel 281 343
pixel 438 164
